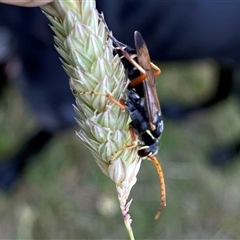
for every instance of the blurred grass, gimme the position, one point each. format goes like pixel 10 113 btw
pixel 64 195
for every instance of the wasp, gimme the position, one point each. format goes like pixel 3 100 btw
pixel 142 103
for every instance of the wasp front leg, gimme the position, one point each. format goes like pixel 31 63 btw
pixel 134 139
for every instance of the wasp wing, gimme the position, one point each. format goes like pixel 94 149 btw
pixel 150 93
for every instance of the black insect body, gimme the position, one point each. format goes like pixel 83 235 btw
pixel 148 141
pixel 135 103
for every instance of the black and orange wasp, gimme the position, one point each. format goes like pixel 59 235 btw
pixel 142 103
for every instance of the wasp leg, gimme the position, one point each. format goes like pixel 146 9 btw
pixel 127 147
pixel 136 81
pixel 158 70
pixel 162 185
pixel 135 64
pixel 131 60
pixel 142 76
pixel 119 103
pixel 134 139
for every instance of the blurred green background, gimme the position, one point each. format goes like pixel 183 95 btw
pixel 64 195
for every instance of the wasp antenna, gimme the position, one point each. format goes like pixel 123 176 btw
pixel 162 185
pixel 139 42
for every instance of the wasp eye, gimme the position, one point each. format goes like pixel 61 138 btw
pixel 144 152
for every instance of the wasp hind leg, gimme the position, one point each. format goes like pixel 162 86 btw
pixel 162 185
pixel 157 70
pixel 142 76
pixel 136 81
